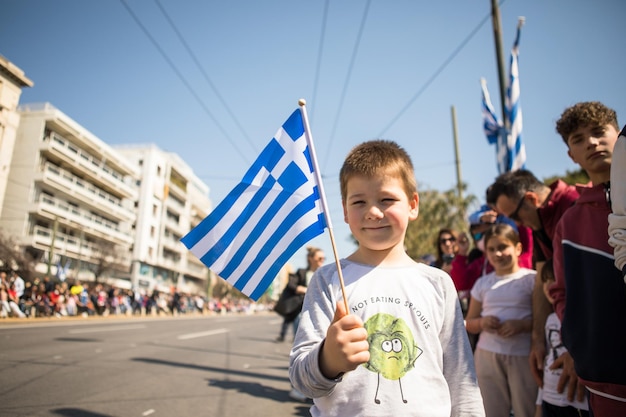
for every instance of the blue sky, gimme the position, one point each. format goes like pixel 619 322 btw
pixel 389 69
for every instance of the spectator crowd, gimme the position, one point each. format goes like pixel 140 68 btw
pixel 48 298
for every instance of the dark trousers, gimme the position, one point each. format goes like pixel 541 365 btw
pixel 549 410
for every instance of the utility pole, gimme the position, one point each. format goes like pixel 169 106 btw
pixel 457 159
pixel 497 35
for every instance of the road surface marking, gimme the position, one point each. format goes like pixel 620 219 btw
pixel 108 329
pixel 201 334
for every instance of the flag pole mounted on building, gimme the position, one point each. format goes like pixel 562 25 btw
pixel 506 134
pixel 278 206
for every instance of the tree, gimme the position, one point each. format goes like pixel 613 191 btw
pixel 107 258
pixel 571 177
pixel 12 257
pixel 436 210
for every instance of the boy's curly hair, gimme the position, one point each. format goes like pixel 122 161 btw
pixel 587 113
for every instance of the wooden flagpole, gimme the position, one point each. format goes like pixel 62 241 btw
pixel 318 177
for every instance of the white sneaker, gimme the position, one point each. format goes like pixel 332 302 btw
pixel 294 394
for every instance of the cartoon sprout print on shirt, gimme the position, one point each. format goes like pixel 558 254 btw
pixel 393 351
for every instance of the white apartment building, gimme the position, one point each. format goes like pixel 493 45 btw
pixel 12 80
pixel 70 198
pixel 172 201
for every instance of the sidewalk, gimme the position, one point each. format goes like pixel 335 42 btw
pixel 121 317
pixel 55 319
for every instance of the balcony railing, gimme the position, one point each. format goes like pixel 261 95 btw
pixel 88 191
pixel 82 217
pixel 73 247
pixel 96 167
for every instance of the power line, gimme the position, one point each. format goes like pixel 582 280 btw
pixel 183 79
pixel 218 177
pixel 319 56
pixel 204 74
pixel 348 75
pixel 438 71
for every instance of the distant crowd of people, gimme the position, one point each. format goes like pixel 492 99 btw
pixel 47 298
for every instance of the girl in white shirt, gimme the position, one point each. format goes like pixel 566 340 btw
pixel 501 311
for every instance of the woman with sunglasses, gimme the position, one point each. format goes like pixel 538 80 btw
pixel 446 249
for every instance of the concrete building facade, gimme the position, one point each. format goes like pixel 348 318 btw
pixel 12 80
pixel 70 199
pixel 172 200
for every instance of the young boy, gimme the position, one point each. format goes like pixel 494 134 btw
pixel 555 403
pixel 589 292
pixel 401 348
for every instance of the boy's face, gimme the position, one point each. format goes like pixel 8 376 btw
pixel 591 147
pixel 378 211
pixel 546 290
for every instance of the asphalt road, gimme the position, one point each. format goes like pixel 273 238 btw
pixel 226 366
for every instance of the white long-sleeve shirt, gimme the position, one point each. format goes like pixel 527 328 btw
pixel 421 363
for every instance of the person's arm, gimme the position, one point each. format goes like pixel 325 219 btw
pixel 525 260
pixel 557 292
pixel 510 328
pixel 541 310
pixel 297 282
pixel 459 263
pixel 301 283
pixel 458 365
pixel 473 320
pixel 557 289
pixel 310 371
pixel 617 219
pixel 569 377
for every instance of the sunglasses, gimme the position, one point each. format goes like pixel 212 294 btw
pixel 515 215
pixel 447 239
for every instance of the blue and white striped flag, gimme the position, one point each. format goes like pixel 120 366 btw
pixel 515 146
pixel 266 218
pixel 510 150
pixel 493 129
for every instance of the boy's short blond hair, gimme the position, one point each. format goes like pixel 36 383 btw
pixel 375 158
pixel 586 113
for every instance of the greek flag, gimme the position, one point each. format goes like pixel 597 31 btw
pixel 510 150
pixel 515 146
pixel 266 218
pixel 493 129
